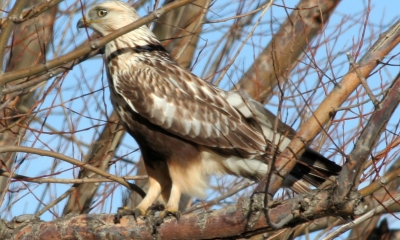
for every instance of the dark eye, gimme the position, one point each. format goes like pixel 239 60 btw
pixel 101 13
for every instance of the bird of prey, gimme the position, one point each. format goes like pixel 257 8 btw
pixel 187 128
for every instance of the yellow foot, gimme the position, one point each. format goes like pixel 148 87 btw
pixel 168 212
pixel 125 211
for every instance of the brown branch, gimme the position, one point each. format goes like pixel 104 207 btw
pixel 24 178
pixel 326 110
pixel 28 46
pixel 100 155
pixel 219 198
pixel 230 37
pixel 361 219
pixel 288 44
pixel 349 178
pixel 362 80
pixel 238 221
pixel 374 194
pixel 54 202
pixel 180 29
pixel 380 183
pixel 30 13
pixel 60 156
pixel 87 48
pixel 249 35
pixel 6 31
pixel 30 81
pixel 381 154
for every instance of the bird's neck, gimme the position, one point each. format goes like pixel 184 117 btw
pixel 140 38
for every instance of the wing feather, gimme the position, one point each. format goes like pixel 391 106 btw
pixel 260 117
pixel 183 104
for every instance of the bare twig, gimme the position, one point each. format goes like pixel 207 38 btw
pixel 226 68
pixel 359 220
pixel 363 81
pixel 326 109
pixel 6 31
pixel 64 158
pixel 281 55
pixel 380 182
pixel 26 85
pixel 19 177
pixel 349 178
pixel 87 48
pixel 31 13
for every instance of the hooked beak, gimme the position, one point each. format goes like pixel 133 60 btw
pixel 81 23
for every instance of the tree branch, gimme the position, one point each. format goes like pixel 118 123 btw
pixel 327 108
pixel 11 148
pixel 87 48
pixel 6 31
pixel 349 177
pixel 288 44
pixel 31 13
pixel 241 220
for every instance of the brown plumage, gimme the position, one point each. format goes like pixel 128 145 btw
pixel 188 129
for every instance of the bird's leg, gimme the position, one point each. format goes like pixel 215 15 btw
pixel 151 197
pixel 140 210
pixel 172 207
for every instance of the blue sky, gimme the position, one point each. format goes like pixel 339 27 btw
pixel 73 91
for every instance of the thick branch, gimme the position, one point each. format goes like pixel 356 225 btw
pixel 6 31
pixel 288 44
pixel 326 110
pixel 33 81
pixel 241 220
pixel 350 176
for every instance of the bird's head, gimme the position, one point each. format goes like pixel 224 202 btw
pixel 107 17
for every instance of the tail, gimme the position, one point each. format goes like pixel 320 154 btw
pixel 312 168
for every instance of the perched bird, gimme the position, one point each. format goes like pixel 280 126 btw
pixel 186 128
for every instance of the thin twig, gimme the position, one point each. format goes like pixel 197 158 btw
pixel 11 148
pixel 380 182
pixel 32 12
pixel 236 16
pixel 363 81
pixel 361 219
pixel 87 48
pixel 19 177
pixel 6 31
pixel 226 68
pixel 57 200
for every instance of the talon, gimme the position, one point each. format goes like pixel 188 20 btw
pixel 153 209
pixel 138 212
pixel 125 211
pixel 168 212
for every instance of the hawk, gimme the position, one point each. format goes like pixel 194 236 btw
pixel 187 128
